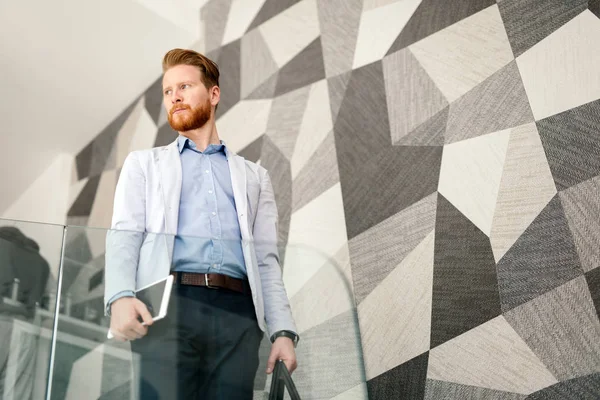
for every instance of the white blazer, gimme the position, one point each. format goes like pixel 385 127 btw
pixel 139 248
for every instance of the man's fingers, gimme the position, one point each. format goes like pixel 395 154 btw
pixel 137 330
pixel 290 365
pixel 271 362
pixel 142 310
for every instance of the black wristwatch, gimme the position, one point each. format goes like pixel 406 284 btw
pixel 287 334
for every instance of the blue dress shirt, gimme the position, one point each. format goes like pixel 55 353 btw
pixel 208 233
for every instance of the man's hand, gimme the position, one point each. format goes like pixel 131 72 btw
pixel 282 349
pixel 124 319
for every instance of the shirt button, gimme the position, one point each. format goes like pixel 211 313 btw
pixel 210 191
pixel 206 171
pixel 214 213
pixel 215 265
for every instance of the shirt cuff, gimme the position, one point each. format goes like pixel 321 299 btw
pixel 124 293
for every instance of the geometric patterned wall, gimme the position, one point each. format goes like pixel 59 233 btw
pixel 449 150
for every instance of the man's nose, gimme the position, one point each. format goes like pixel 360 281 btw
pixel 176 98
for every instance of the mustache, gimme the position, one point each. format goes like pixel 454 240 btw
pixel 179 107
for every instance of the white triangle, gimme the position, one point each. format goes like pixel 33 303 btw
pixel 470 176
pixel 317 232
pixel 492 356
pixel 379 28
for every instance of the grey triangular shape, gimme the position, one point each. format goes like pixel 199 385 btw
pixel 311 180
pixel 252 151
pixel 214 16
pixel 229 63
pixel 594 6
pixel 82 206
pixel 500 102
pixel 429 133
pixel 91 161
pixel 434 15
pixel 580 388
pixel 592 279
pixel 449 390
pixel 529 22
pixel 339 21
pixel 270 9
pixel 337 90
pixel 266 90
pixel 104 142
pixel 542 259
pixel 165 136
pixel 153 100
pixel 305 68
pixel 572 144
pixel 406 381
pixel 463 256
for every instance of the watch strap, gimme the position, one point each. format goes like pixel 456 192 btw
pixel 287 334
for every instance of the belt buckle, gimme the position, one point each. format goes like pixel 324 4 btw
pixel 208 285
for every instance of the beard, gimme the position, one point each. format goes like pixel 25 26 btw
pixel 193 118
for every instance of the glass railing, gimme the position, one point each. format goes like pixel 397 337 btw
pixel 53 327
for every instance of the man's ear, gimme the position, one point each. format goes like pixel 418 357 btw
pixel 215 95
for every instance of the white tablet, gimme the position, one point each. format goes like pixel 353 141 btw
pixel 156 297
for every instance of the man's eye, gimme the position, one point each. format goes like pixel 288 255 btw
pixel 167 92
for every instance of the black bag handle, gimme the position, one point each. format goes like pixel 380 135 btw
pixel 281 380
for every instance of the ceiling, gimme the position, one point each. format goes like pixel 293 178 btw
pixel 69 67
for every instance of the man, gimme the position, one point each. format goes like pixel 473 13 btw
pixel 218 215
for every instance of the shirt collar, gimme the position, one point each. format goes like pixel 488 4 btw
pixel 183 142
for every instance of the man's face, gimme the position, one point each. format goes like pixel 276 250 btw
pixel 187 101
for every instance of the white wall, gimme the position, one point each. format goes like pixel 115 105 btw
pixel 47 199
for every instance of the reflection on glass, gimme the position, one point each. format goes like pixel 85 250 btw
pixel 89 366
pixel 29 263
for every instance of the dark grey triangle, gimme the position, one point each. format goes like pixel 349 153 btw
pixel 429 133
pixel 153 100
pixel 165 135
pixel 434 15
pixel 572 144
pixel 593 281
pixel 449 390
pixel 529 22
pixel 367 161
pixel 230 69
pixel 82 206
pixel 77 254
pixel 465 285
pixel 542 259
pixel 337 90
pixel 594 6
pixel 280 172
pixel 305 68
pixel 406 381
pixel 103 143
pixel 83 161
pixel 266 90
pixel 270 9
pixel 252 151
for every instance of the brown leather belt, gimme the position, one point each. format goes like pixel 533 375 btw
pixel 212 281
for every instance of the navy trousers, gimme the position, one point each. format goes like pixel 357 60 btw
pixel 206 347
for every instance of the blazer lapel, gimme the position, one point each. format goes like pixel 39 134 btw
pixel 169 165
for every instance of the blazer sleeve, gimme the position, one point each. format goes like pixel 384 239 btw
pixel 278 314
pixel 125 238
